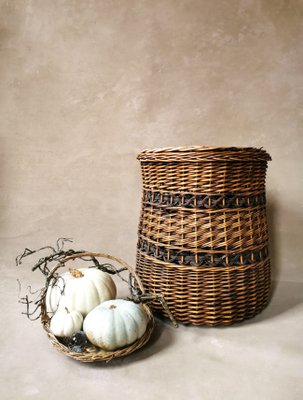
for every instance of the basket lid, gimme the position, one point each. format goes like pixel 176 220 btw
pixel 204 153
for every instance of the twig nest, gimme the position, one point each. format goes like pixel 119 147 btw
pixel 115 324
pixel 65 323
pixel 80 289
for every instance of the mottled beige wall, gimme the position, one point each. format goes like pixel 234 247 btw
pixel 86 85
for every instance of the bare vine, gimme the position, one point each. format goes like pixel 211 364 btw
pixel 34 301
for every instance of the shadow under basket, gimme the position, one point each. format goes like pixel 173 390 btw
pixel 92 353
pixel 203 237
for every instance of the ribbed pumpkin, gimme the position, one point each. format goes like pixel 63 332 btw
pixel 65 323
pixel 80 289
pixel 115 324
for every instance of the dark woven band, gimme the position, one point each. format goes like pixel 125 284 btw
pixel 202 258
pixel 202 201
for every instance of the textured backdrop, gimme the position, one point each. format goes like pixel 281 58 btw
pixel 86 85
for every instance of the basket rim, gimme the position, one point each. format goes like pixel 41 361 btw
pixel 204 153
pixel 100 355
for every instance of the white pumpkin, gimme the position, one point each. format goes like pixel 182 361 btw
pixel 65 323
pixel 115 324
pixel 80 289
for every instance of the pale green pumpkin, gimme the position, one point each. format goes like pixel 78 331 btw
pixel 115 324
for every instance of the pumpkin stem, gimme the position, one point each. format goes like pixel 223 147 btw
pixel 75 273
pixel 67 310
pixel 112 306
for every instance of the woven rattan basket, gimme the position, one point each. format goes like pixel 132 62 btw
pixel 203 238
pixel 92 353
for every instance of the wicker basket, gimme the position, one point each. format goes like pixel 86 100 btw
pixel 203 238
pixel 92 353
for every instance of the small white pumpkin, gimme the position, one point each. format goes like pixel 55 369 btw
pixel 115 324
pixel 65 323
pixel 80 289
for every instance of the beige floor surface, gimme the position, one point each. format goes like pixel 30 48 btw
pixel 261 359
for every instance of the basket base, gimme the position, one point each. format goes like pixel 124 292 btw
pixel 208 322
pixel 210 297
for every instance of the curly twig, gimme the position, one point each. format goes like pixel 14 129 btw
pixel 58 255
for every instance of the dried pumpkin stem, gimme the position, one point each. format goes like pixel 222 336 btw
pixel 75 273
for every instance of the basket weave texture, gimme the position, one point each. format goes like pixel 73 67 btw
pixel 92 353
pixel 203 237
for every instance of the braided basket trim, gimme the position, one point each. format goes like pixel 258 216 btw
pixel 203 153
